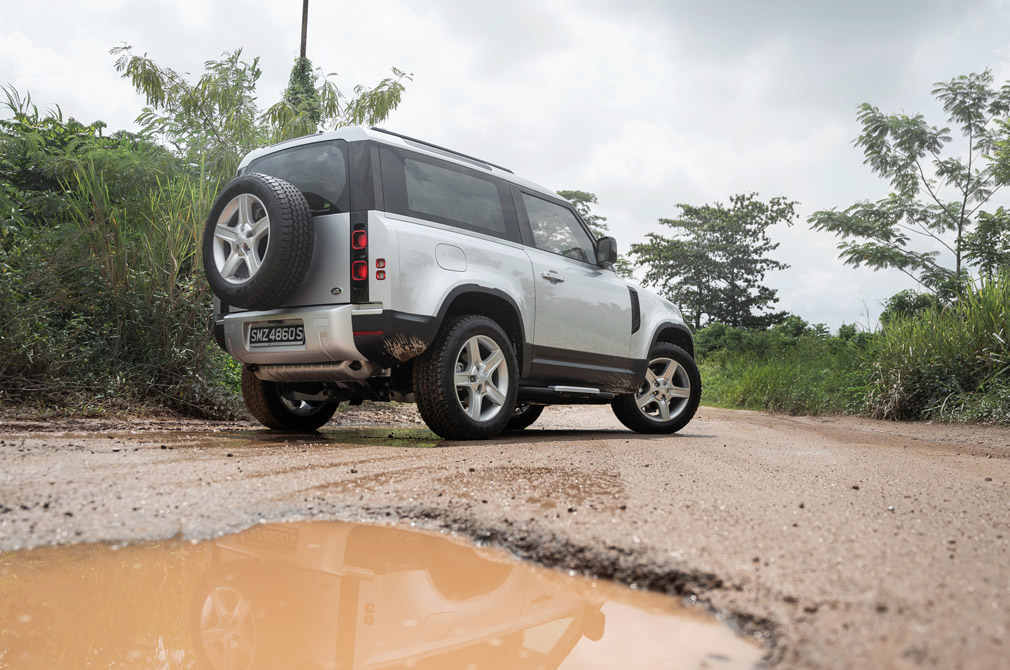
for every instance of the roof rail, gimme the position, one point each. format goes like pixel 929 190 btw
pixel 442 149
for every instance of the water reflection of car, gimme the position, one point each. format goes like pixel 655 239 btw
pixel 352 596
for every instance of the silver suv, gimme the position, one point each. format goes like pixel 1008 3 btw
pixel 362 264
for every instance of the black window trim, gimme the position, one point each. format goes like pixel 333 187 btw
pixel 342 207
pixel 391 191
pixel 527 230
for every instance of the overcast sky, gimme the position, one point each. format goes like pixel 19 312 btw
pixel 645 103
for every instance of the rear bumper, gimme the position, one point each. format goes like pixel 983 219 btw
pixel 334 334
pixel 329 335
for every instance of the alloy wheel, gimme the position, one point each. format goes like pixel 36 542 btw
pixel 228 629
pixel 481 379
pixel 241 238
pixel 665 392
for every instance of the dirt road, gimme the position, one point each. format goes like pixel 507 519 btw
pixel 843 542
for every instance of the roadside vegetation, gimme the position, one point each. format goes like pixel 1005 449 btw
pixel 104 302
pixel 940 352
pixel 792 367
pixel 928 360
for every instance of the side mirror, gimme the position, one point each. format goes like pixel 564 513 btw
pixel 606 251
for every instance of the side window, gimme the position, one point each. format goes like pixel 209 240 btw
pixel 444 192
pixel 453 195
pixel 556 229
pixel 318 170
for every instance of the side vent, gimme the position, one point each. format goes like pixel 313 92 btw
pixel 636 311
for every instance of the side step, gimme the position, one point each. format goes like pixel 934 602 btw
pixel 563 395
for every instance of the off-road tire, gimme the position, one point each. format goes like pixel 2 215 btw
pixel 523 416
pixel 264 401
pixel 435 389
pixel 626 408
pixel 289 246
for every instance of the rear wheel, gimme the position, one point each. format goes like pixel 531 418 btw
pixel 669 394
pixel 465 382
pixel 275 406
pixel 524 416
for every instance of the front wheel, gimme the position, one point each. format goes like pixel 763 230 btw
pixel 669 394
pixel 465 383
pixel 275 407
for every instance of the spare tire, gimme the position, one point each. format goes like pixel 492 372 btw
pixel 257 242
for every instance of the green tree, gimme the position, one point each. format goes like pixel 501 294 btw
pixel 301 92
pixel 42 154
pixel 935 200
pixel 908 304
pixel 215 121
pixel 988 246
pixel 714 265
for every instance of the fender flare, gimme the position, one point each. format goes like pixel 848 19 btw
pixel 674 325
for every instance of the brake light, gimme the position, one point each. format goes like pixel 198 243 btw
pixel 359 239
pixel 359 270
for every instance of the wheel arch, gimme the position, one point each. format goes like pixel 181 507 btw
pixel 674 333
pixel 496 305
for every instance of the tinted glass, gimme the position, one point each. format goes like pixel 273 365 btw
pixel 317 170
pixel 556 229
pixel 453 195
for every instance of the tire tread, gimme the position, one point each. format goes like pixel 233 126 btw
pixel 627 411
pixel 436 399
pixel 262 401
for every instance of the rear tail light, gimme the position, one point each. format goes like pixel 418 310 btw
pixel 380 274
pixel 360 264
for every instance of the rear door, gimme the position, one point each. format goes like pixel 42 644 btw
pixel 582 329
pixel 319 170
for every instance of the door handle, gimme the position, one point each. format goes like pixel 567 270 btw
pixel 552 275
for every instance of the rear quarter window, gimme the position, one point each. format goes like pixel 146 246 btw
pixel 318 170
pixel 427 188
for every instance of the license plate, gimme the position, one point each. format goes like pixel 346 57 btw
pixel 277 335
pixel 270 537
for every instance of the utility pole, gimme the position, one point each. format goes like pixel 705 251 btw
pixel 305 23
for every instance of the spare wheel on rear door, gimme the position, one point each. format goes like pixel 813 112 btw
pixel 257 242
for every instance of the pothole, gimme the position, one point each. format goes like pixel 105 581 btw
pixel 337 595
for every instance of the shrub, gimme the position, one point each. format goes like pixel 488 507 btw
pixel 104 298
pixel 947 362
pixel 791 367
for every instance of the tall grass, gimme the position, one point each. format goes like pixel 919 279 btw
pixel 809 375
pixel 947 363
pixel 110 304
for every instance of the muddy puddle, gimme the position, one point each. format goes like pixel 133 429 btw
pixel 334 595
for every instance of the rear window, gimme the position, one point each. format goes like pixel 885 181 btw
pixel 427 188
pixel 318 170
